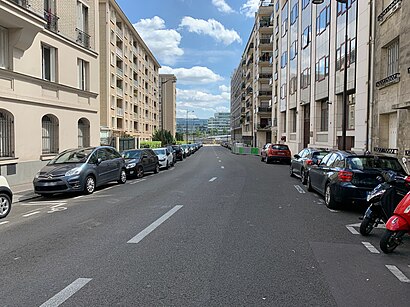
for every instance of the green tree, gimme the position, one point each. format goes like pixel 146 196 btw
pixel 164 136
pixel 179 136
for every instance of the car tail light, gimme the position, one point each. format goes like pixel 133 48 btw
pixel 309 162
pixel 407 181
pixel 345 176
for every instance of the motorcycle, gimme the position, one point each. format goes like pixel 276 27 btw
pixel 397 225
pixel 383 200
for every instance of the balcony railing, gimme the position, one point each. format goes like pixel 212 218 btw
pixel 265 93
pixel 119 51
pixel 120 72
pixel 264 109
pixel 120 111
pixel 264 76
pixel 263 126
pixel 388 81
pixel 120 92
pixel 22 3
pixel 265 41
pixel 83 38
pixel 390 9
pixel 52 21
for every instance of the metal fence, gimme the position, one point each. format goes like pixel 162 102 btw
pixel 6 136
pixel 49 135
pixel 126 143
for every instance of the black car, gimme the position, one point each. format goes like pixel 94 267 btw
pixel 80 170
pixel 179 152
pixel 140 161
pixel 346 177
pixel 301 162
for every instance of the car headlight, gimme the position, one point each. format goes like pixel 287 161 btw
pixel 37 175
pixel 74 171
pixel 131 165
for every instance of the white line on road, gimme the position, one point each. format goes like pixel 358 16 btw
pixel 30 214
pixel 138 181
pixel 66 293
pixel 352 230
pixel 370 247
pixel 212 179
pixel 220 161
pixel 334 211
pixel 299 189
pixel 222 167
pixel 154 225
pixel 399 274
pixel 5 222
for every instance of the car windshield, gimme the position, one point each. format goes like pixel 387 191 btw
pixel 134 154
pixel 280 147
pixel 159 151
pixel 319 154
pixel 72 156
pixel 384 163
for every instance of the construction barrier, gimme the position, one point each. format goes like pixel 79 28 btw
pixel 243 150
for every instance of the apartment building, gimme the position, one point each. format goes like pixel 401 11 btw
pixel 220 123
pixel 49 101
pixel 390 122
pixel 129 78
pixel 168 103
pixel 237 103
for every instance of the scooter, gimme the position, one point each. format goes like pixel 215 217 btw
pixel 397 225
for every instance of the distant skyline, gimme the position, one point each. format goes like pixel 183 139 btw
pixel 201 42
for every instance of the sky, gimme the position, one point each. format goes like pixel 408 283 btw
pixel 200 41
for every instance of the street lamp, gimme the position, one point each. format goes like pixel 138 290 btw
pixel 186 124
pixel 344 109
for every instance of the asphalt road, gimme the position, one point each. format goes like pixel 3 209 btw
pixel 216 230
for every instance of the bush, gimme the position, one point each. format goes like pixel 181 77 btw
pixel 150 144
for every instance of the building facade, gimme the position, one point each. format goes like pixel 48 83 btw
pixel 237 103
pixel 129 78
pixel 168 103
pixel 220 124
pixel 49 101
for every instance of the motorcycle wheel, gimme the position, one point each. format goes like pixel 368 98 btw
pixel 366 226
pixel 389 241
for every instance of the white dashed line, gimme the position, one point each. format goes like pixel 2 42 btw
pixel 66 293
pixel 154 225
pixel 333 211
pixel 138 181
pixel 299 189
pixel 222 167
pixel 399 274
pixel 351 228
pixel 370 247
pixel 213 179
pixel 30 214
pixel 220 161
pixel 5 222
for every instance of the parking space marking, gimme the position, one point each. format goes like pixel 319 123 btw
pixel 154 225
pixel 105 189
pixel 370 247
pixel 352 229
pixel 213 179
pixel 396 272
pixel 333 211
pixel 4 222
pixel 138 181
pixel 299 189
pixel 66 293
pixel 32 213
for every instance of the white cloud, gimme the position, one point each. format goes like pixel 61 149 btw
pixel 198 99
pixel 194 75
pixel 212 28
pixel 225 88
pixel 164 43
pixel 222 6
pixel 250 7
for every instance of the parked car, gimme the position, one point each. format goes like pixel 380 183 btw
pixel 263 151
pixel 187 152
pixel 301 162
pixel 140 161
pixel 343 176
pixel 6 197
pixel 276 152
pixel 178 152
pixel 165 157
pixel 80 170
pixel 174 154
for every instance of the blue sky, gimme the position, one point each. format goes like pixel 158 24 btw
pixel 200 41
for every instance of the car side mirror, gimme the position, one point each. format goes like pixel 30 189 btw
pixel 99 160
pixel 296 156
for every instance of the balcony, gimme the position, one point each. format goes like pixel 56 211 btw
pixel 389 10
pixel 265 109
pixel 119 31
pixel 52 21
pixel 135 83
pixel 26 24
pixel 264 76
pixel 120 112
pixel 265 93
pixel 264 126
pixel 83 38
pixel 119 52
pixel 120 72
pixel 395 78
pixel 120 92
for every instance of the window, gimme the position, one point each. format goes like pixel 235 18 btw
pixel 49 57
pixel 6 134
pixel 393 58
pixel 294 13
pixel 305 78
pixel 283 91
pixel 323 20
pixel 3 47
pixel 306 37
pixel 351 112
pixel 324 116
pixel 82 17
pixel 284 27
pixel 305 3
pixel 294 120
pixel 83 75
pixel 284 59
pixel 352 53
pixel 293 85
pixel 294 50
pixel 83 133
pixel 49 126
pixel 322 68
pixel 341 7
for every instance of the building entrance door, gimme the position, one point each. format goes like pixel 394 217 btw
pixel 393 130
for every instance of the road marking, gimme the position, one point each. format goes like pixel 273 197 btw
pixel 212 179
pixel 66 293
pixel 154 225
pixel 30 214
pixel 220 161
pixel 42 203
pixel 299 189
pixel 5 222
pixel 138 181
pixel 333 211
pixel 351 228
pixel 370 247
pixel 222 167
pixel 399 274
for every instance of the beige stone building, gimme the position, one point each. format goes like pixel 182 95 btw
pixel 48 90
pixel 168 103
pixel 390 122
pixel 129 78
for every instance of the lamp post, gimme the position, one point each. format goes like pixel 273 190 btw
pixel 186 124
pixel 344 106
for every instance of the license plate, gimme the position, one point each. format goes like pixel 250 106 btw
pixel 131 172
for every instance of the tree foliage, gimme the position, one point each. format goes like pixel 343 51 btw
pixel 179 136
pixel 164 136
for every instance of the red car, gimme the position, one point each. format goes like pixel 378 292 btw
pixel 276 152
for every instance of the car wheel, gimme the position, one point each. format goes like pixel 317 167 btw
pixel 309 184
pixel 89 186
pixel 156 170
pixel 5 205
pixel 303 178
pixel 140 172
pixel 390 240
pixel 329 199
pixel 291 171
pixel 366 226
pixel 123 177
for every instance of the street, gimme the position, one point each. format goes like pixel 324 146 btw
pixel 217 229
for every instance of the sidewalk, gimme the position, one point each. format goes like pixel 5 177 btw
pixel 22 192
